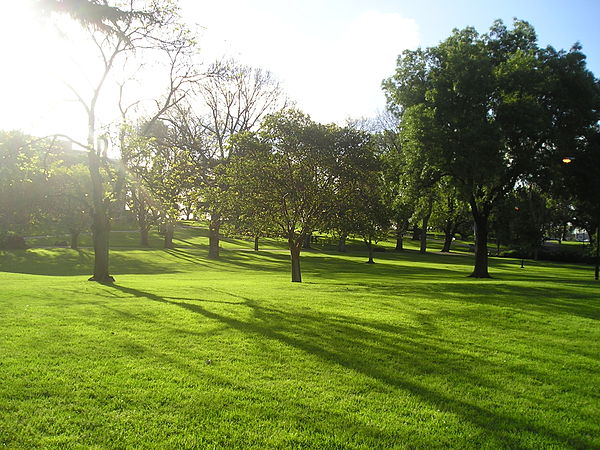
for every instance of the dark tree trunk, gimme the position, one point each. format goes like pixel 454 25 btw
pixel 447 241
pixel 423 247
pixel 369 243
pixel 342 243
pixel 399 240
pixel 295 248
pixel 416 234
pixel 597 270
pixel 306 243
pixel 256 242
pixel 449 233
pixel 169 232
pixel 75 239
pixel 536 253
pixel 100 219
pixel 480 218
pixel 213 236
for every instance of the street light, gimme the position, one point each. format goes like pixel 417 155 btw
pixel 567 159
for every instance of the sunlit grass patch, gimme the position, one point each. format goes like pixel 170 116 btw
pixel 186 352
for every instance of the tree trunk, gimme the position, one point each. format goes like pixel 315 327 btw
pixel 480 269
pixel 213 236
pixel 416 234
pixel 295 256
pixel 342 243
pixel 169 232
pixel 399 240
pixel 144 236
pixel 75 239
pixel 597 269
pixel 369 243
pixel 306 243
pixel 256 242
pixel 448 235
pixel 100 218
pixel 536 253
pixel 423 247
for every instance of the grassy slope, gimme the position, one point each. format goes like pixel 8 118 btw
pixel 406 352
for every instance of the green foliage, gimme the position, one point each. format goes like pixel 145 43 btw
pixel 289 170
pixel 490 110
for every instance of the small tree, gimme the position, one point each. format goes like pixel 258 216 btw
pixel 68 203
pixel 290 169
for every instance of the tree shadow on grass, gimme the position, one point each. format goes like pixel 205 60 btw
pixel 66 262
pixel 395 356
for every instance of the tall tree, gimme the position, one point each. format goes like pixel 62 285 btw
pixel 489 109
pixel 235 100
pixel 115 32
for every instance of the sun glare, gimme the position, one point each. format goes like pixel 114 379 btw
pixel 32 91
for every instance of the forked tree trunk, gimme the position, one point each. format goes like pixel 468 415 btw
pixel 75 239
pixel 169 232
pixel 369 243
pixel 256 242
pixel 480 269
pixel 100 217
pixel 213 237
pixel 295 256
pixel 342 243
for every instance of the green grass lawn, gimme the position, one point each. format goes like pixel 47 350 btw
pixel 183 352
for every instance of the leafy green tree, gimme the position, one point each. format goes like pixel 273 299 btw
pixel 580 178
pixel 234 99
pixel 290 169
pixel 357 173
pixel 162 171
pixel 488 109
pixel 531 219
pixel 68 205
pixel 393 170
pixel 22 182
pixel 371 219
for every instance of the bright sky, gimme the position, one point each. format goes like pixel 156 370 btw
pixel 331 55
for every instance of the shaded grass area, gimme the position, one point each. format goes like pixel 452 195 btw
pixel 187 352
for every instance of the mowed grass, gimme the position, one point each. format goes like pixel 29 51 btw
pixel 183 352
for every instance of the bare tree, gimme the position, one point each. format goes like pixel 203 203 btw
pixel 136 27
pixel 139 145
pixel 235 100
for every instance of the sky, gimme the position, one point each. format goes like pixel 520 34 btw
pixel 330 55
